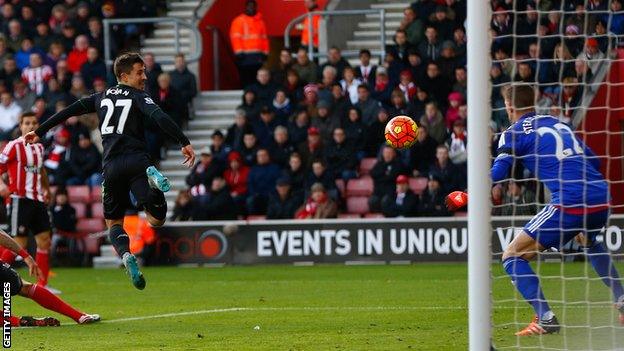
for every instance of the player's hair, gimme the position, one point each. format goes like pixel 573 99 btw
pixel 26 115
pixel 125 62
pixel 521 96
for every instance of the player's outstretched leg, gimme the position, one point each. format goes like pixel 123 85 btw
pixel 603 265
pixel 28 321
pixel 120 240
pixel 157 180
pixel 50 301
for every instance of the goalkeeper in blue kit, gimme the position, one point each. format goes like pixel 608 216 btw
pixel 579 206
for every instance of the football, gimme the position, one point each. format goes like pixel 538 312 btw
pixel 401 132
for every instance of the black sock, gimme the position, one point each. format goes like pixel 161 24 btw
pixel 119 239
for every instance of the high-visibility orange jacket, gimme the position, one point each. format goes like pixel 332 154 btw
pixel 139 231
pixel 248 35
pixel 315 30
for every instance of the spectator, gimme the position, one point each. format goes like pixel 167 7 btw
pixel 449 175
pixel 606 39
pixel 448 60
pixel 22 56
pixel 311 6
pixel 328 79
pixel 284 201
pixel 152 71
pixel 430 47
pixel 236 176
pixel 324 122
pixel 217 204
pixel 452 113
pixel 4 51
pixel 28 21
pixel 457 145
pixel 406 85
pixel 96 36
pixel 434 121
pixel 236 131
pixel 442 22
pixel 262 179
pixel 265 126
pixel 435 84
pixel 78 55
pixel 432 199
pixel 295 172
pixel 10 112
pixel 36 75
pixel 366 71
pixel 403 203
pixel 422 153
pixel 281 147
pixel 298 129
pixel 401 47
pixel 420 101
pixel 355 131
pixel 335 59
pixel 58 18
pixel 248 36
pixel 459 38
pixel 85 163
pixel 382 89
pixel 294 87
pixel 305 68
pixel 68 36
pixel 78 88
pixel 367 105
pixel 616 17
pixel 220 150
pixel 168 98
pixel 413 26
pixel 55 54
pixel 23 96
pixel 185 83
pixel 249 148
pixel 525 73
pixel 384 174
pixel 63 213
pixel 16 36
pixel 82 17
pixel 570 98
pixel 204 171
pixel 263 87
pixel 250 105
pixel 311 98
pixel 350 84
pixel 320 174
pixel 341 157
pixel 56 163
pixel 376 132
pixel 183 208
pixel 312 148
pixel 94 67
pixel 415 65
pixel 592 55
pixel 318 205
pixel 284 64
pixel 399 105
pixel 461 82
pixel 7 14
pixel 282 107
pixel 518 200
pixel 9 73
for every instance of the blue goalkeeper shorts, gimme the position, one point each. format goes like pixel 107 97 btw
pixel 552 227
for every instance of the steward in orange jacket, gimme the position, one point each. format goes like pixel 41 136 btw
pixel 312 6
pixel 250 43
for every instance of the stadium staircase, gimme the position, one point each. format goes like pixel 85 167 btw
pixel 368 32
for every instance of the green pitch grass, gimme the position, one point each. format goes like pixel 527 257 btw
pixel 416 307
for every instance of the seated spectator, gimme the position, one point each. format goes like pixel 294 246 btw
pixel 236 177
pixel 298 129
pixel 9 73
pixel 74 126
pixel 422 153
pixel 63 214
pixel 318 205
pixel 85 163
pixel 249 148
pixel 449 60
pixel 457 145
pixel 406 85
pixel 341 157
pixel 399 105
pixel 366 71
pixel 36 75
pixel 350 84
pixel 449 175
pixel 376 131
pixel 443 24
pixel 168 98
pixel 185 83
pixel 285 63
pixel 27 48
pixel 293 87
pixel 58 18
pixel 324 122
pixel 382 89
pixel 93 68
pixel 261 183
pixel 525 73
pixel 338 103
pixel 55 163
pixel 264 87
pixel 15 35
pixel 592 55
pixel 10 112
pixel 284 201
pixel 296 173
pixel 420 101
pixel 78 55
pixel 250 105
pixel 435 84
pixel 23 96
pixel 183 208
pixel 401 47
pixel 335 60
pixel 355 132
pixel 429 48
pixel 235 132
pixel 320 174
pixel 461 82
pixel 455 100
pixel 310 99
pixel 311 149
pixel 217 204
pixel 433 120
pixel 518 200
pixel 384 174
pixel 570 98
pixel 152 71
pixel 403 203
pixel 281 147
pixel 432 200
pixel 220 150
pixel 368 105
pixel 78 89
pixel 306 69
pixel 282 107
pixel 265 126
pixel 415 65
pixel 413 26
pixel 68 36
pixel 63 75
pixel 205 170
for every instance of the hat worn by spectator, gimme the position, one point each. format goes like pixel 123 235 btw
pixel 402 179
pixel 592 42
pixel 406 73
pixel 382 71
pixel 234 155
pixel 448 44
pixel 310 88
pixel 217 133
pixel 323 104
pixel 265 109
pixel 206 151
pixel 455 96
pixel 63 133
pixel 313 131
pixel 283 181
pixel 572 29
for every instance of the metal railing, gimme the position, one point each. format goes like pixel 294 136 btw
pixel 215 56
pixel 310 15
pixel 195 34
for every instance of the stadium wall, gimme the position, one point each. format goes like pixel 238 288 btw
pixel 603 126
pixel 276 14
pixel 338 241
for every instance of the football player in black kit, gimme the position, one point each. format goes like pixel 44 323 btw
pixel 123 111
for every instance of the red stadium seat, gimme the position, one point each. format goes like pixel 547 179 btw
pixel 81 210
pixel 79 193
pixel 374 215
pixel 418 185
pixel 96 194
pixel 367 164
pixel 90 225
pixel 461 214
pixel 256 218
pixel 97 210
pixel 357 204
pixel 340 184
pixel 362 186
pixel 349 215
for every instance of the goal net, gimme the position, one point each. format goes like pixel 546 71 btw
pixel 569 52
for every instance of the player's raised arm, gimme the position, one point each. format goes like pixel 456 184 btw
pixel 80 107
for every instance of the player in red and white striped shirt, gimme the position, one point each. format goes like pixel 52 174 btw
pixel 29 191
pixel 37 75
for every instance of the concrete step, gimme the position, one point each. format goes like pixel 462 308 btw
pixel 230 94
pixel 165 51
pixel 183 5
pixel 170 32
pixel 212 123
pixel 158 41
pixel 219 104
pixel 185 13
pixel 355 61
pixel 213 113
pixel 393 25
pixel 389 15
pixel 366 44
pixel 176 173
pixel 391 6
pixel 358 34
pixel 199 134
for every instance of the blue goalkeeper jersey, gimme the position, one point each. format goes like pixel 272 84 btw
pixel 550 150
